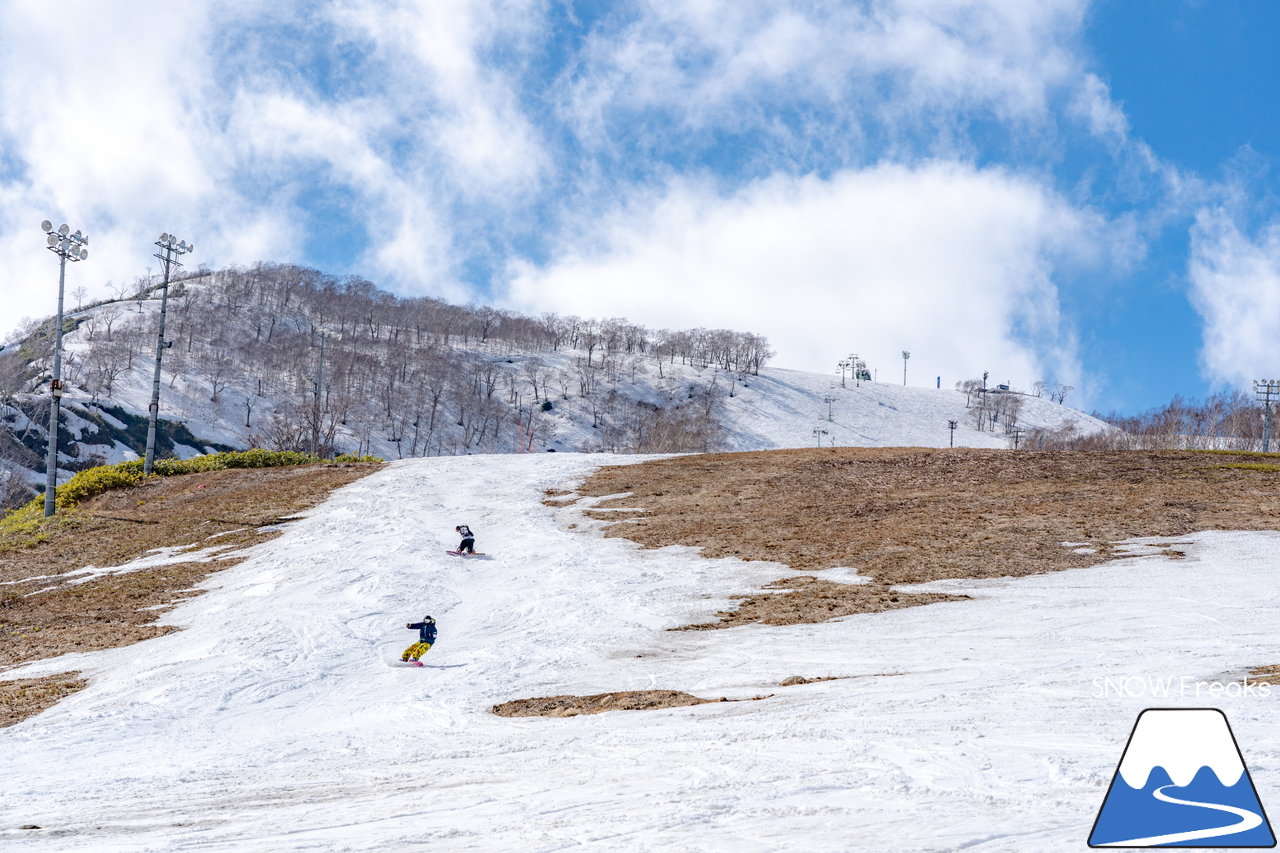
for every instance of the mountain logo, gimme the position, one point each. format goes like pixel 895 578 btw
pixel 1181 782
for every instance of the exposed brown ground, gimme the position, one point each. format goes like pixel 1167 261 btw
pixel 629 700
pixel 908 515
pixel 44 613
pixel 27 697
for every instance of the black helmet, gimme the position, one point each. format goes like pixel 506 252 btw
pixel 427 619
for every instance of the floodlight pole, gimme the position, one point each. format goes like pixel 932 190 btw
pixel 66 246
pixel 905 355
pixel 170 249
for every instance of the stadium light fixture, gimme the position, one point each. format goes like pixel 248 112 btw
pixel 68 247
pixel 170 251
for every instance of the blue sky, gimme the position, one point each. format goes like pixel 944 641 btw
pixel 1061 190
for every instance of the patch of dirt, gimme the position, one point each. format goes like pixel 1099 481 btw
pixel 809 596
pixel 911 515
pixel 44 612
pixel 26 697
pixel 1272 671
pixel 632 700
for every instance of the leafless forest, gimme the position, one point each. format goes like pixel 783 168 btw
pixel 418 375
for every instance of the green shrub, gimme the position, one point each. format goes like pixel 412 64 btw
pixel 92 482
pixel 95 481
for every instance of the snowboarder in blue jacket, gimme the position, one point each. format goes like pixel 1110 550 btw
pixel 426 636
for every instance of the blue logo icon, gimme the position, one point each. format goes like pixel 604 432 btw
pixel 1182 783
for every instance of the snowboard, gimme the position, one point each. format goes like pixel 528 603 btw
pixel 461 554
pixel 407 663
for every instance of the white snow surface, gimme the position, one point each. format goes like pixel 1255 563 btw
pixel 276 722
pixel 783 408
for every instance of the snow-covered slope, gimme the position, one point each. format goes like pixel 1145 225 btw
pixel 783 408
pixel 777 409
pixel 274 722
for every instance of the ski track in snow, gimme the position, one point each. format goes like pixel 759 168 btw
pixel 274 722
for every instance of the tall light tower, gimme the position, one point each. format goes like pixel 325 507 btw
pixel 68 247
pixel 1268 392
pixel 170 249
pixel 905 355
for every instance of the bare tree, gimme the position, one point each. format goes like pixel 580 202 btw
pixel 216 370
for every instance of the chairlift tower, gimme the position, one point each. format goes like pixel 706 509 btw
pixel 68 247
pixel 170 249
pixel 1268 392
pixel 818 433
pixel 905 355
pixel 829 399
pixel 953 425
pixel 842 365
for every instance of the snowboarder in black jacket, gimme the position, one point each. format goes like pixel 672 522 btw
pixel 468 545
pixel 426 636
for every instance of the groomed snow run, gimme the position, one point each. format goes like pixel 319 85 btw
pixel 274 721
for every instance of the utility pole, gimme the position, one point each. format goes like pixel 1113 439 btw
pixel 170 248
pixel 68 247
pixel 905 355
pixel 324 334
pixel 1267 391
pixel 953 425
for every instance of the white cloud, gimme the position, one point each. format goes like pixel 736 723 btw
pixel 437 126
pixel 128 119
pixel 1105 118
pixel 1235 285
pixel 906 64
pixel 950 262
